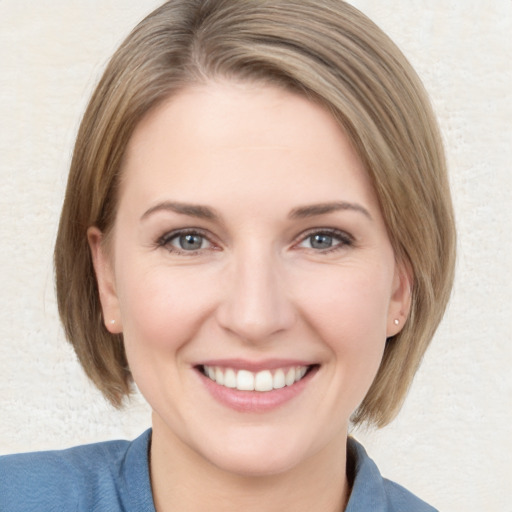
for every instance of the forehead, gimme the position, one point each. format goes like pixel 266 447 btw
pixel 250 139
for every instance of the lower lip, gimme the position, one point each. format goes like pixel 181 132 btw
pixel 256 401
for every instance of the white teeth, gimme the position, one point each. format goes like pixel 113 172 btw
pixel 230 378
pixel 219 376
pixel 279 381
pixel 290 377
pixel 244 381
pixel 262 381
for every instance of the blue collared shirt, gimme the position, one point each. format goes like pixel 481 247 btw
pixel 114 476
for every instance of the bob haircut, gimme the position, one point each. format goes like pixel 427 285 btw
pixel 325 50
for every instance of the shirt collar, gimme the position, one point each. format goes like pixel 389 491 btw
pixel 136 495
pixel 368 486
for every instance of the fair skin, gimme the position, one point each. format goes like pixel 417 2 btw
pixel 248 240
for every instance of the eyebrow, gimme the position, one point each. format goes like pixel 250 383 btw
pixel 192 210
pixel 301 212
pixel 323 208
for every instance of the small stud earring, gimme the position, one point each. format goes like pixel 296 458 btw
pixel 397 321
pixel 112 322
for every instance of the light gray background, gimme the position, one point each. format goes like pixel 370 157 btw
pixel 452 442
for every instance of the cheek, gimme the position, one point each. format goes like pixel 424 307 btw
pixel 161 308
pixel 348 310
pixel 348 302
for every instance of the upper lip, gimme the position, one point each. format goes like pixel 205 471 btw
pixel 255 366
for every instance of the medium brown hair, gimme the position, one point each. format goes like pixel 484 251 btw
pixel 325 50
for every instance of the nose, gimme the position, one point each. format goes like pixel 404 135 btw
pixel 256 304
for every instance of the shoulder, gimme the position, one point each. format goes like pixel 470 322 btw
pixel 370 491
pixel 59 480
pixel 402 500
pixel 86 477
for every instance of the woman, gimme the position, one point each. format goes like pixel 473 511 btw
pixel 258 231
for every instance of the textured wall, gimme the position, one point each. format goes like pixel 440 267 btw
pixel 452 442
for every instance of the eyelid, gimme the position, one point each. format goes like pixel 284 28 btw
pixel 164 240
pixel 345 238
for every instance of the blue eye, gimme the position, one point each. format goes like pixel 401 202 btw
pixel 189 242
pixel 321 241
pixel 326 240
pixel 185 241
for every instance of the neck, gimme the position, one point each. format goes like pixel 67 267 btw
pixel 182 480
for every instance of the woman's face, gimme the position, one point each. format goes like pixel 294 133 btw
pixel 248 251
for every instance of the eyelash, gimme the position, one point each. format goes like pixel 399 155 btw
pixel 165 240
pixel 343 238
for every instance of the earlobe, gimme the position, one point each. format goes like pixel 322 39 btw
pixel 400 303
pixel 105 279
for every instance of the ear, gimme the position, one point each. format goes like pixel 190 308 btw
pixel 106 281
pixel 400 303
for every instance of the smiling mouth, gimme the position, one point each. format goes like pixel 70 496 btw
pixel 261 381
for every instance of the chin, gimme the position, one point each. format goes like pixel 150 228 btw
pixel 255 465
pixel 254 453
